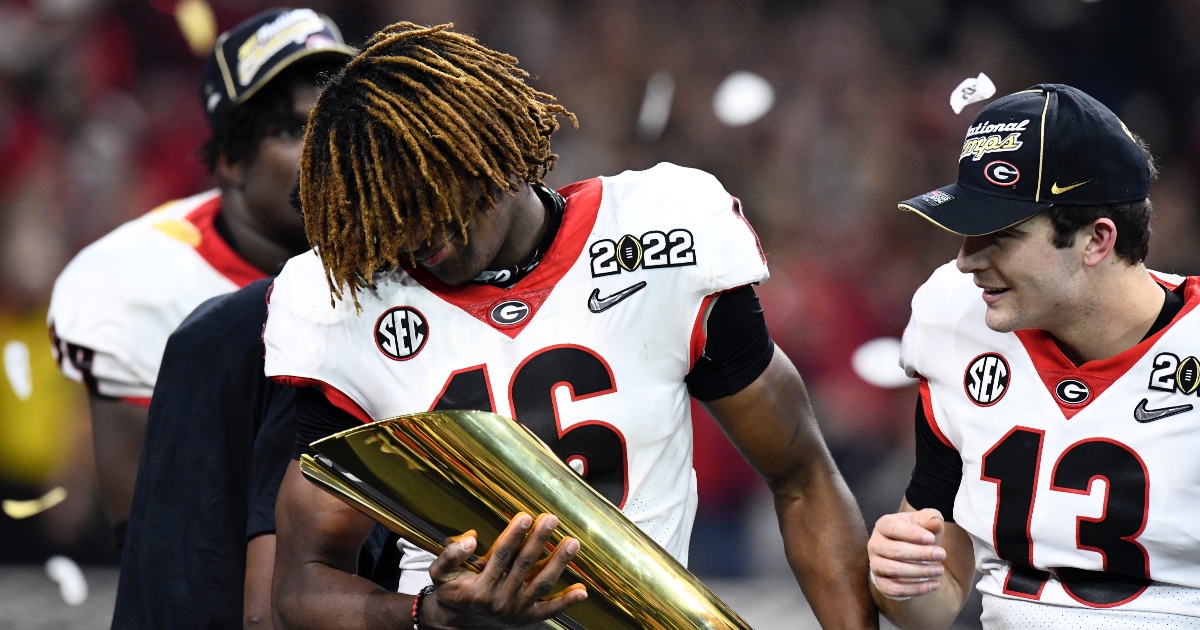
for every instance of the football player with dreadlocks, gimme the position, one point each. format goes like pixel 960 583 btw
pixel 445 275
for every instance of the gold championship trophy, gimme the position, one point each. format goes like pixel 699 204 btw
pixel 432 475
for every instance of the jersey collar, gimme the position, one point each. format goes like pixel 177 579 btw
pixel 582 204
pixel 1053 366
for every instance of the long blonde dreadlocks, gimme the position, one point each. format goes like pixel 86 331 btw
pixel 403 140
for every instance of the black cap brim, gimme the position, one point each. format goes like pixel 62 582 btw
pixel 968 212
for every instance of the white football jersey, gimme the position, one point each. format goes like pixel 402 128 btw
pixel 1080 485
pixel 117 301
pixel 589 350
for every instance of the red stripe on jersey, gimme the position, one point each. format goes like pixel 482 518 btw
pixel 579 216
pixel 699 334
pixel 335 396
pixel 144 403
pixel 927 405
pixel 215 251
pixel 737 209
pixel 1053 366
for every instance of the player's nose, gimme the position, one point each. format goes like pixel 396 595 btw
pixel 972 255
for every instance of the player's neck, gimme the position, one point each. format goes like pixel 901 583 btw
pixel 529 223
pixel 1115 315
pixel 244 236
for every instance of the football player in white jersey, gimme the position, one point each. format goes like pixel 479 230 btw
pixel 118 300
pixel 459 281
pixel 1056 427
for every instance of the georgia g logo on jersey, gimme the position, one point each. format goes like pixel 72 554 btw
pixel 509 313
pixel 986 379
pixel 401 332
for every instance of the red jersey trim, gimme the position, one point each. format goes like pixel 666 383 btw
pixel 143 402
pixel 1053 366
pixel 215 251
pixel 579 217
pixel 699 336
pixel 927 405
pixel 336 397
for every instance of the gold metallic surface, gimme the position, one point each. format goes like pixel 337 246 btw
pixel 432 475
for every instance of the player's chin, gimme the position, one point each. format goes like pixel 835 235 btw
pixel 1001 319
pixel 452 273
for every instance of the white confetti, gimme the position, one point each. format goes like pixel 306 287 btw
pixel 742 98
pixel 878 363
pixel 972 90
pixel 71 582
pixel 656 105
pixel 17 369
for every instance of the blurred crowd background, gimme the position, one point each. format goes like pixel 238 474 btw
pixel 100 121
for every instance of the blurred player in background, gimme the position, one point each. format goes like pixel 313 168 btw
pixel 1056 427
pixel 117 301
pixel 459 281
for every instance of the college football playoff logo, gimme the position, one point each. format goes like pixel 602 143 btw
pixel 986 379
pixel 1172 374
pixel 401 332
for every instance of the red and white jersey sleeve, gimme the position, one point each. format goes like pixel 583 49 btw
pixel 118 300
pixel 1080 486
pixel 589 350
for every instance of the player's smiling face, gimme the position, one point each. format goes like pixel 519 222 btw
pixel 495 239
pixel 1027 282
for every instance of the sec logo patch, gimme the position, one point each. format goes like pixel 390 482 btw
pixel 986 379
pixel 401 332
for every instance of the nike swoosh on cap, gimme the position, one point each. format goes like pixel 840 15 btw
pixel 597 304
pixel 1054 189
pixel 1144 415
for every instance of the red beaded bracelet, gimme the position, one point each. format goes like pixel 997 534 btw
pixel 416 611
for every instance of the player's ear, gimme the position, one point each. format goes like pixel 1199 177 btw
pixel 1100 238
pixel 230 174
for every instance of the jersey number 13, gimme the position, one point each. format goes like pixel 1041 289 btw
pixel 1013 465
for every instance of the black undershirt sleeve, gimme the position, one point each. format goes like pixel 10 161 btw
pixel 737 350
pixel 938 473
pixel 317 418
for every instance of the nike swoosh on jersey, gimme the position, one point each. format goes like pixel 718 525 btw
pixel 597 304
pixel 1144 415
pixel 1054 189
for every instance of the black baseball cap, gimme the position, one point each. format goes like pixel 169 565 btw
pixel 252 53
pixel 1048 145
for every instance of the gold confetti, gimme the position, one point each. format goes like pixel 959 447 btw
pixel 198 24
pixel 25 509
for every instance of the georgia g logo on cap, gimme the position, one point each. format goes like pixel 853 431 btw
pixel 1001 173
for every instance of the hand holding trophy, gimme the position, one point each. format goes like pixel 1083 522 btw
pixel 428 475
pixel 515 582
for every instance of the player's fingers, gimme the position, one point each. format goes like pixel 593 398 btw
pixel 931 520
pixel 904 588
pixel 504 550
pixel 904 551
pixel 457 551
pixel 543 581
pixel 885 567
pixel 902 527
pixel 559 602
pixel 530 553
pixel 574 587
